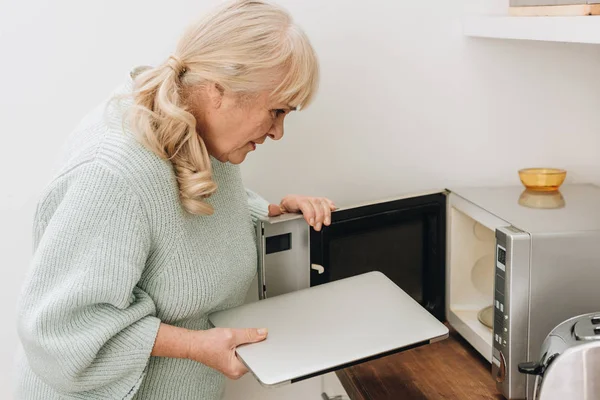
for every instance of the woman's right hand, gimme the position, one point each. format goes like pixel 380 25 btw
pixel 216 348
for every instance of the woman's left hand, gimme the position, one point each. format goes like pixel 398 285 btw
pixel 316 210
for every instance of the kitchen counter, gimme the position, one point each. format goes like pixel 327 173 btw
pixel 450 369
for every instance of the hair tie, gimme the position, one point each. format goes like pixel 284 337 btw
pixel 176 65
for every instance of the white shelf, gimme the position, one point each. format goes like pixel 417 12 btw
pixel 583 29
pixel 467 325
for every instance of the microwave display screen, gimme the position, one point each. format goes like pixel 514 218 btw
pixel 397 250
pixel 501 256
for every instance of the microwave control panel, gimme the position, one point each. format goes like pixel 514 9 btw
pixel 500 310
pixel 511 282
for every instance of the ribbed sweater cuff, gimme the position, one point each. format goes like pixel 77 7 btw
pixel 259 207
pixel 137 344
pixel 260 210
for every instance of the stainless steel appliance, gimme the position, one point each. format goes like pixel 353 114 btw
pixel 546 270
pixel 457 252
pixel 569 363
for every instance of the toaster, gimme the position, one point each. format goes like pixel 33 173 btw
pixel 569 364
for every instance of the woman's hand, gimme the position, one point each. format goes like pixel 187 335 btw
pixel 316 210
pixel 216 348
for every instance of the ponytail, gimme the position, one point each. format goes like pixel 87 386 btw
pixel 169 130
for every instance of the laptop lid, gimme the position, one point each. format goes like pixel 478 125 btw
pixel 329 327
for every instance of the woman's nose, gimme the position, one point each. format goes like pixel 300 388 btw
pixel 276 131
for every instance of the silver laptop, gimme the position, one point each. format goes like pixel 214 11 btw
pixel 328 327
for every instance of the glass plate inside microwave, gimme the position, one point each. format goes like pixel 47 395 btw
pixel 486 316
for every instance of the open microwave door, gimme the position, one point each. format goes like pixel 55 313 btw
pixel 403 237
pixel 331 326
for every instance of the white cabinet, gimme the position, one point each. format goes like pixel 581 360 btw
pixel 549 29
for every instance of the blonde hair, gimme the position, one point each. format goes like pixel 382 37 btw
pixel 244 46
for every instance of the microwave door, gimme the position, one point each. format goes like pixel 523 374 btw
pixel 405 239
pixel 283 255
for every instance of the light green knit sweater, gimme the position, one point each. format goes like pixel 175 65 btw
pixel 114 255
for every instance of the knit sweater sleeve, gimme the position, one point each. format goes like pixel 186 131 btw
pixel 86 327
pixel 259 207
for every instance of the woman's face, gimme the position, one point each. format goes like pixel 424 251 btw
pixel 232 126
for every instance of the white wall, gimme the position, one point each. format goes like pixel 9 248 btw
pixel 406 103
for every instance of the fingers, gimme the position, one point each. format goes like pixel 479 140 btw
pixel 319 213
pixel 248 335
pixel 290 203
pixel 237 368
pixel 316 210
pixel 323 208
pixel 308 210
pixel 242 336
pixel 332 205
pixel 274 210
pixel 326 211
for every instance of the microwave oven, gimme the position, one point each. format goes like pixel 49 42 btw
pixel 530 257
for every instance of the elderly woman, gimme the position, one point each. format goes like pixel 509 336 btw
pixel 148 228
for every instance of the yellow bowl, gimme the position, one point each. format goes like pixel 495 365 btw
pixel 542 179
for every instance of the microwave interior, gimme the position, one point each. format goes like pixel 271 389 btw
pixel 470 284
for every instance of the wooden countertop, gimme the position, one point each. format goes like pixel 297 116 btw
pixel 450 369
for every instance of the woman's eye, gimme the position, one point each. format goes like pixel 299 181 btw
pixel 278 112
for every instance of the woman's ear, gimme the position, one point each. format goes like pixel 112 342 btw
pixel 215 94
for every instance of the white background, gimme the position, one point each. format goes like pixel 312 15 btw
pixel 406 103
